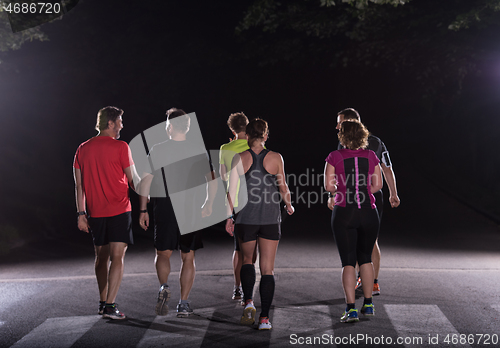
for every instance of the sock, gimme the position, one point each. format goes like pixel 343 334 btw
pixel 102 303
pixel 368 300
pixel 247 275
pixel 110 304
pixel 350 306
pixel 375 281
pixel 183 301
pixel 266 290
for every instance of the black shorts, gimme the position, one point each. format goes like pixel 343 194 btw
pixel 116 228
pixel 167 233
pixel 248 233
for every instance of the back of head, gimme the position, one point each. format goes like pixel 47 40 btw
pixel 256 129
pixel 237 122
pixel 353 135
pixel 179 120
pixel 350 114
pixel 109 113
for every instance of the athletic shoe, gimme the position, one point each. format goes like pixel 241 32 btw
pixel 368 310
pixel 349 316
pixel 358 284
pixel 264 323
pixel 112 312
pixel 184 310
pixel 248 317
pixel 102 304
pixel 376 289
pixel 237 293
pixel 162 301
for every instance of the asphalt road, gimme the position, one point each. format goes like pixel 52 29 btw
pixel 439 288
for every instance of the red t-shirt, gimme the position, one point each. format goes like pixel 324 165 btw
pixel 102 161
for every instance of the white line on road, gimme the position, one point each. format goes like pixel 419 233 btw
pixel 177 332
pixel 57 332
pixel 426 322
pixel 315 325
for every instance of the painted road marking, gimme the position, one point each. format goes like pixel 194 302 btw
pixel 58 332
pixel 422 325
pixel 177 332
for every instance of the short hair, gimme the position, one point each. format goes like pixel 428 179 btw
pixel 256 129
pixel 109 113
pixel 353 135
pixel 182 120
pixel 350 114
pixel 237 122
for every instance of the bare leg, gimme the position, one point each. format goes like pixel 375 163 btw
pixel 366 271
pixel 186 276
pixel 376 260
pixel 267 249
pixel 117 254
pixel 101 269
pixel 162 264
pixel 237 262
pixel 349 282
pixel 248 249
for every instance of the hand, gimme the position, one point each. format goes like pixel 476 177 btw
pixel 144 221
pixel 230 226
pixel 206 210
pixel 394 200
pixel 83 224
pixel 289 209
pixel 331 203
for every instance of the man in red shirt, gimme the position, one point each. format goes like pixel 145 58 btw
pixel 103 170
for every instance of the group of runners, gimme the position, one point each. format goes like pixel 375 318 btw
pixel 104 170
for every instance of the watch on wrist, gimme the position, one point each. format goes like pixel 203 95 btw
pixel 81 213
pixel 143 211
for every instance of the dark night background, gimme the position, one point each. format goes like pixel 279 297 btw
pixel 148 56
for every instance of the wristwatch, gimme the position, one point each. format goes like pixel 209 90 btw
pixel 81 213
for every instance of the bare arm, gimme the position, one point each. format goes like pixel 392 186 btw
pixel 283 187
pixel 83 224
pixel 211 192
pixel 132 177
pixel 376 180
pixel 234 174
pixel 330 183
pixel 144 188
pixel 390 179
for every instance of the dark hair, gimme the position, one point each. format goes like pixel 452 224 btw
pixel 353 135
pixel 237 122
pixel 109 113
pixel 181 124
pixel 350 114
pixel 256 129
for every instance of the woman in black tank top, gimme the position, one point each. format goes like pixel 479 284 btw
pixel 258 222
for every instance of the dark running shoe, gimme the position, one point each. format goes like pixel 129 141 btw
pixel 112 312
pixel 102 304
pixel 368 310
pixel 237 293
pixel 162 302
pixel 184 310
pixel 349 316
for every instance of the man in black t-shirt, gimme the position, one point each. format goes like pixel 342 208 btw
pixel 180 175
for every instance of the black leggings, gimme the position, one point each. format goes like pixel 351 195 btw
pixel 355 231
